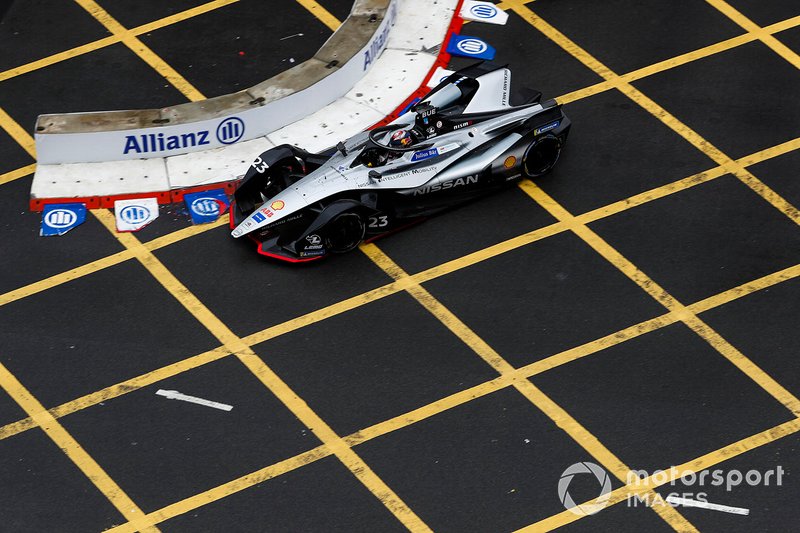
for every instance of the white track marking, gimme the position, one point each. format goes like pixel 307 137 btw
pixel 175 395
pixel 674 500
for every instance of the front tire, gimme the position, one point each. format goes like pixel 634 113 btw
pixel 345 232
pixel 541 156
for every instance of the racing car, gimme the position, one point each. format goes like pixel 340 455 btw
pixel 462 140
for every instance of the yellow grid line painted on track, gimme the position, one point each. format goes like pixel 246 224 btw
pixel 686 315
pixel 140 49
pixel 232 487
pixel 18 133
pixel 322 14
pixel 17 174
pixel 701 463
pixel 113 39
pixel 70 446
pixel 272 381
pixel 105 262
pixel 657 111
pixel 757 31
pixel 531 392
pixel 679 60
pixel 400 421
pixel 560 229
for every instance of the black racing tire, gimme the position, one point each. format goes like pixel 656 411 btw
pixel 344 232
pixel 541 156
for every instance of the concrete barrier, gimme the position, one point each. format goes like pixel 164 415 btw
pixel 383 55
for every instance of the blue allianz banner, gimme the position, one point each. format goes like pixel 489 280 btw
pixel 57 219
pixel 466 46
pixel 206 206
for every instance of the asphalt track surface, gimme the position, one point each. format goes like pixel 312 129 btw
pixel 637 308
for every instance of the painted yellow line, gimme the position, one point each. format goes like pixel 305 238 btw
pixel 322 14
pixel 657 111
pixel 774 44
pixel 141 50
pixel 113 39
pixel 769 153
pixel 105 262
pixel 745 289
pixel 222 491
pixel 21 172
pixel 64 277
pixel 647 284
pixel 697 465
pixel 18 133
pixel 399 421
pixel 69 446
pixel 271 380
pixel 558 415
pixel 217 493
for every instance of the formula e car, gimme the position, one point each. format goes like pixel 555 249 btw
pixel 462 140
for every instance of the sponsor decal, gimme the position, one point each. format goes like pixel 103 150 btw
pixel 312 253
pixel 548 127
pixel 230 130
pixel 267 211
pixel 158 142
pixel 458 182
pixel 259 218
pixel 484 11
pixel 375 48
pixel 465 46
pixel 510 161
pixel 133 215
pixel 57 219
pixel 314 239
pixel 425 154
pixel 277 205
pixel 433 152
pixel 206 206
pixel 462 125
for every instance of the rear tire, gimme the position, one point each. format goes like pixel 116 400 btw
pixel 541 156
pixel 345 232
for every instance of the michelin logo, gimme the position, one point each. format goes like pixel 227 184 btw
pixel 548 127
pixel 228 131
pixel 375 48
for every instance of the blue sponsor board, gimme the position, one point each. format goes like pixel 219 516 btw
pixel 466 46
pixel 57 219
pixel 206 206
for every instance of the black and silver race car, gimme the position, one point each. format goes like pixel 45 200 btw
pixel 462 140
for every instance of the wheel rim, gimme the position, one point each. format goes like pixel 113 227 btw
pixel 344 233
pixel 542 155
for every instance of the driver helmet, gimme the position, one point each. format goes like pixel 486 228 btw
pixel 400 139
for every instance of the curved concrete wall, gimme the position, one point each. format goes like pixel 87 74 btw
pixel 399 59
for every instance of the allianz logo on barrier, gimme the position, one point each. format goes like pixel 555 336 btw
pixel 375 48
pixel 134 214
pixel 228 131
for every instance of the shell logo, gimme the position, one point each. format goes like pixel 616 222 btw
pixel 277 205
pixel 510 161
